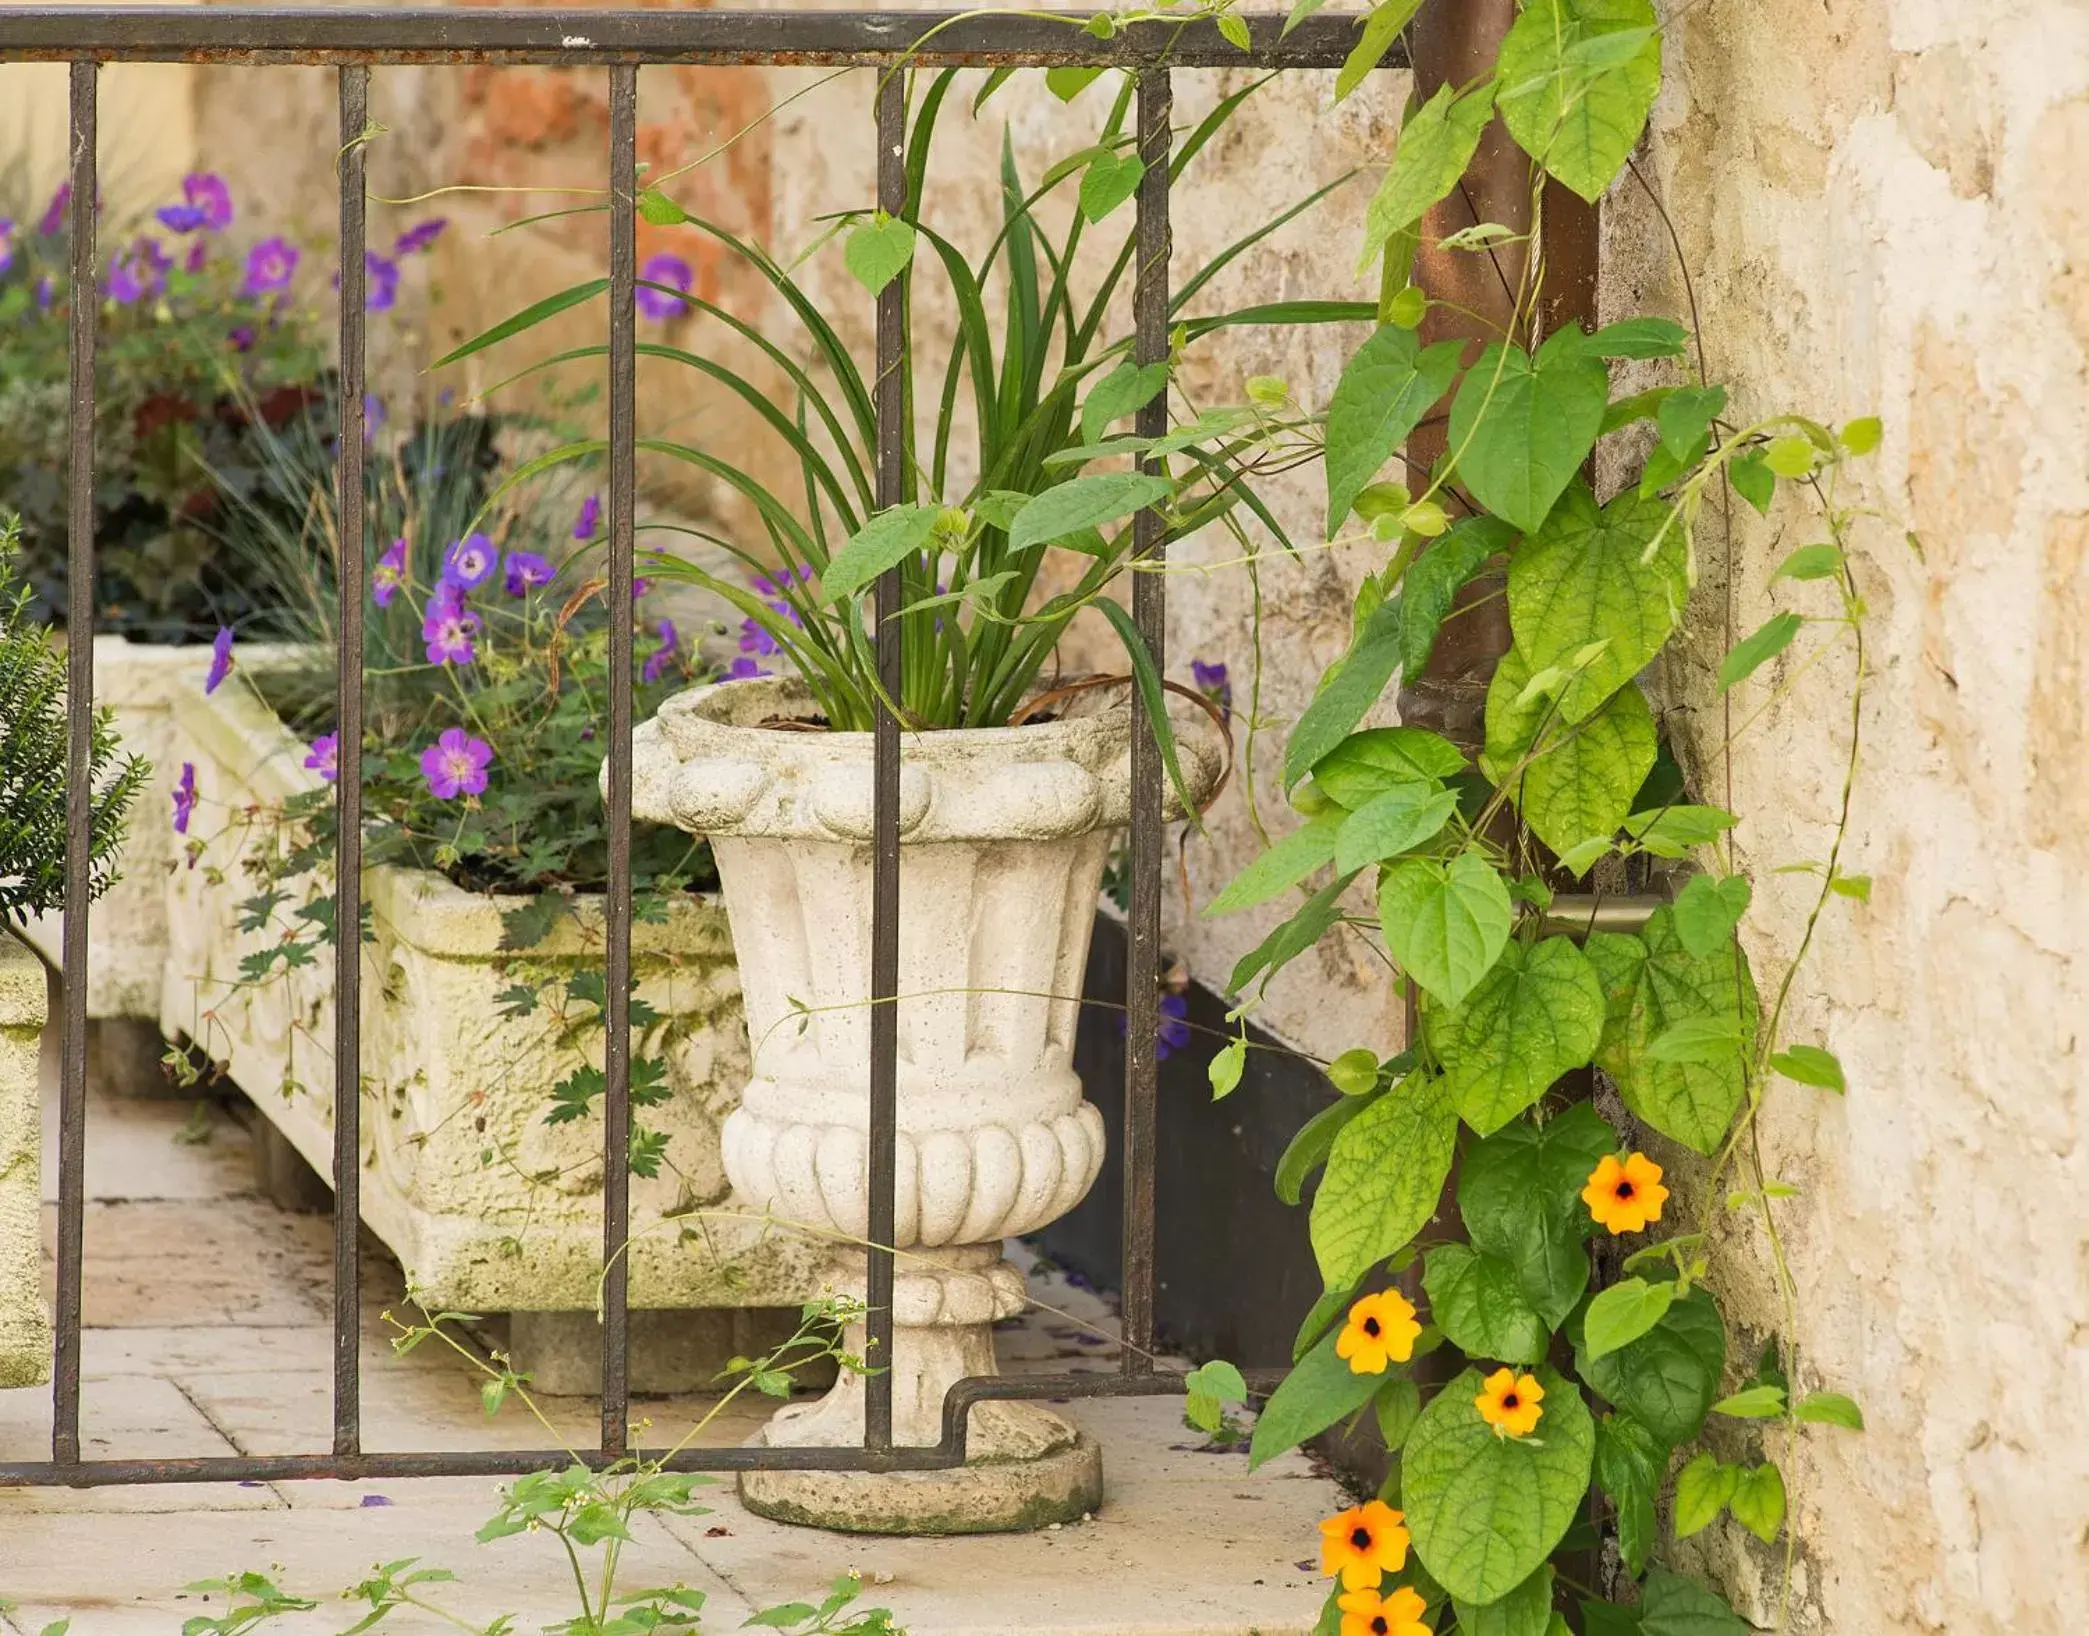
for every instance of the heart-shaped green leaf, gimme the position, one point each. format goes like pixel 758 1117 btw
pixel 877 251
pixel 1486 1511
pixel 1109 180
pixel 1666 1379
pixel 1624 1312
pixel 1445 923
pixel 1436 144
pixel 1708 910
pixel 1519 1193
pixel 1573 99
pixel 1384 1176
pixel 1478 1303
pixel 1395 822
pixel 1535 1016
pixel 1083 503
pixel 880 543
pixel 1385 389
pixel 1585 578
pixel 1522 426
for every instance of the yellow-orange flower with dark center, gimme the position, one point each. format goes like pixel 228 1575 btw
pixel 1625 1194
pixel 1510 1403
pixel 1366 1613
pixel 1381 1330
pixel 1363 1544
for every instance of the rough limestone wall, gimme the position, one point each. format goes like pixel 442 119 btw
pixel 25 1321
pixel 1884 207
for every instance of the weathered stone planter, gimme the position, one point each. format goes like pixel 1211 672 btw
pixel 486 1206
pixel 1004 835
pixel 127 927
pixel 25 1321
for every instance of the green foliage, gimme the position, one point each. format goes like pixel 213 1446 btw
pixel 1320 1390
pixel 1535 1016
pixel 1384 1173
pixel 34 757
pixel 1487 1511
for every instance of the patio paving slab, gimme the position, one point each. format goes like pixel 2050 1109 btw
pixel 208 1333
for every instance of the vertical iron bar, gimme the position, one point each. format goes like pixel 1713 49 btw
pixel 79 771
pixel 884 891
pixel 1149 613
pixel 616 1012
pixel 348 787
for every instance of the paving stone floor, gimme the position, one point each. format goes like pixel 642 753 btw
pixel 207 1332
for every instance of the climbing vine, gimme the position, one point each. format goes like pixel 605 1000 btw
pixel 1515 1398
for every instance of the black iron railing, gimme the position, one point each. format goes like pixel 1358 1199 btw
pixel 618 43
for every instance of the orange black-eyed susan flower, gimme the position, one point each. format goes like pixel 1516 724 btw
pixel 1381 1330
pixel 1510 1403
pixel 1363 1544
pixel 1625 1194
pixel 1366 1613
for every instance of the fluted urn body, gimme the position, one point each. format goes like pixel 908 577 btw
pixel 1004 834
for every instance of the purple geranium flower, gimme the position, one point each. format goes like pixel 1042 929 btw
pixel 220 659
pixel 1212 682
pixel 775 587
pixel 381 282
pixel 755 638
pixel 470 562
pixel 139 272
pixel 660 658
pixel 455 765
pixel 388 578
pixel 206 203
pixel 53 217
pixel 270 265
pixel 185 798
pixel 1171 1029
pixel 241 338
pixel 526 571
pixel 589 519
pixel 446 627
pixel 668 269
pixel 418 237
pixel 198 256
pixel 46 292
pixel 325 759
pixel 7 242
pixel 743 669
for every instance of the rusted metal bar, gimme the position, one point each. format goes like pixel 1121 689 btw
pixel 885 755
pixel 348 784
pixel 616 1003
pixel 1579 914
pixel 79 769
pixel 255 34
pixel 1149 831
pixel 940 1456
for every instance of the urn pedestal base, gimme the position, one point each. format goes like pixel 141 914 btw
pixel 988 1498
pixel 1025 1467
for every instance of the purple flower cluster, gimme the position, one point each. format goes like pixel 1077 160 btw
pixel 420 236
pixel 756 643
pixel 185 798
pixel 671 271
pixel 1171 1032
pixel 667 654
pixel 271 265
pixel 1213 683
pixel 206 205
pixel 139 272
pixel 447 626
pixel 526 571
pixel 589 518
pixel 325 759
pixel 53 217
pixel 220 659
pixel 455 764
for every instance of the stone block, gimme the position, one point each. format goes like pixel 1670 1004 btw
pixel 488 1207
pixel 25 1319
pixel 561 1352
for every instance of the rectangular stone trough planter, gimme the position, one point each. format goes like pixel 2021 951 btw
pixel 25 1321
pixel 487 1207
pixel 127 927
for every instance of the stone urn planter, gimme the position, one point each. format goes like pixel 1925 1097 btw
pixel 488 1207
pixel 1004 836
pixel 25 1320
